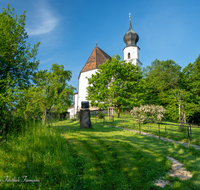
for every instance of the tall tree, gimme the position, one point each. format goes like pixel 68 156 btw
pixel 51 91
pixel 161 78
pixel 116 83
pixel 17 59
pixel 191 84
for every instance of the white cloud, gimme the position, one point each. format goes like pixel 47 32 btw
pixel 44 22
pixel 45 61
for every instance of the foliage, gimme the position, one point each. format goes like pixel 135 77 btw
pixel 117 84
pixel 100 115
pixel 17 60
pixel 51 91
pixel 159 80
pixel 151 112
pixel 191 83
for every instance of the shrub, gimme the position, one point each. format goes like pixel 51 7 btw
pixel 100 115
pixel 144 113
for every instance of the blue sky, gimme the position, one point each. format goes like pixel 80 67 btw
pixel 68 29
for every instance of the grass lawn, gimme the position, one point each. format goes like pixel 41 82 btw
pixel 67 157
pixel 170 130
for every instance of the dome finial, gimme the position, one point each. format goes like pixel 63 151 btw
pixel 130 38
pixel 130 26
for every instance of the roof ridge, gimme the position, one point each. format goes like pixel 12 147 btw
pixel 97 57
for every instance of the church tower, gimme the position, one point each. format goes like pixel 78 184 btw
pixel 131 51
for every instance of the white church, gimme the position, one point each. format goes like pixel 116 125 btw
pixel 97 57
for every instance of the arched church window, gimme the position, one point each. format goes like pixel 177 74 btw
pixel 129 55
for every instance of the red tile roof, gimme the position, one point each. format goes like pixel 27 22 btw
pixel 97 57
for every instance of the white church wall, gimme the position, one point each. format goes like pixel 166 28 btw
pixel 75 103
pixel 83 84
pixel 71 112
pixel 134 53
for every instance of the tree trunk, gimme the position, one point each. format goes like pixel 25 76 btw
pixel 51 117
pixel 45 116
pixel 118 113
pixel 184 114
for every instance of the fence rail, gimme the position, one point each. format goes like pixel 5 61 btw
pixel 188 132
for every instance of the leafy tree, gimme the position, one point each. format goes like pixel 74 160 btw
pixel 191 84
pixel 116 83
pixel 17 59
pixel 161 78
pixel 51 91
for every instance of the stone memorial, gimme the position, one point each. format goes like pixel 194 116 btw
pixel 85 115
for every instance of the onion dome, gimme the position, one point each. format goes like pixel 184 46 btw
pixel 131 38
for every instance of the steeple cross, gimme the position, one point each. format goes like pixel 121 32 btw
pixel 129 15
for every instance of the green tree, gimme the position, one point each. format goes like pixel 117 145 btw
pixel 17 59
pixel 51 91
pixel 160 80
pixel 116 83
pixel 191 84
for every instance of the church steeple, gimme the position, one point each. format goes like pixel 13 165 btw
pixel 131 37
pixel 131 51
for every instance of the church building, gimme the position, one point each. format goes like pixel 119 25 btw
pixel 97 57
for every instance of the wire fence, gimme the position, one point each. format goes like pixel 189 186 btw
pixel 179 131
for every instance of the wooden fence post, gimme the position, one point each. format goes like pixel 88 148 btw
pixel 179 106
pixel 188 134
pixel 139 127
pixel 125 122
pixel 159 129
pixel 165 127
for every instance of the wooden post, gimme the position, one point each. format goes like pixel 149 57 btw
pixel 139 127
pixel 108 113
pixel 165 127
pixel 184 115
pixel 125 121
pixel 179 106
pixel 188 135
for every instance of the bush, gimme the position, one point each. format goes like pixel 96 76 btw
pixel 100 115
pixel 144 113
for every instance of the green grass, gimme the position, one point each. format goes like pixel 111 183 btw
pixel 67 157
pixel 171 130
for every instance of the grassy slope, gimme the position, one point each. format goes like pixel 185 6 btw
pixel 172 130
pixel 102 157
